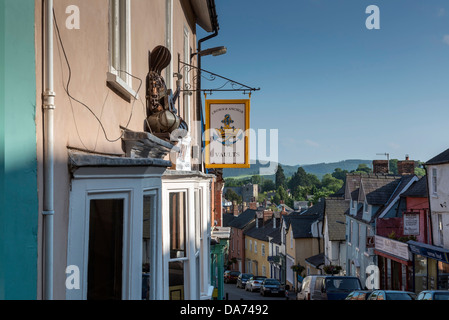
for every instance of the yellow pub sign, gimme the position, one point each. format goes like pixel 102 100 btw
pixel 227 133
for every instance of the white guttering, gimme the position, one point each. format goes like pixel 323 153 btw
pixel 48 97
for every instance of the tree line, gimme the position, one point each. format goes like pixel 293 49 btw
pixel 301 186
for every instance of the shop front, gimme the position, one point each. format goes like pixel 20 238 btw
pixel 395 265
pixel 430 267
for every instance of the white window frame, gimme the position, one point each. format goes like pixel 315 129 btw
pixel 190 268
pixel 114 183
pixel 155 226
pixel 434 182
pixel 120 47
pixel 440 227
pixel 365 207
pixel 79 237
pixel 350 231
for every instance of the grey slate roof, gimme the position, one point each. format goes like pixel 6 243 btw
pixel 302 225
pixel 379 188
pixel 400 188
pixel 227 218
pixel 317 209
pixel 262 232
pixel 443 157
pixel 335 210
pixel 418 189
pixel 242 220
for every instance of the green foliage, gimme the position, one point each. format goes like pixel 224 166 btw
pixel 331 183
pixel 276 199
pixel 231 195
pixel 268 185
pixel 280 177
pixel 420 171
pixel 339 174
pixel 363 168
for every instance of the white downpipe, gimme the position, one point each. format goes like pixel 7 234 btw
pixel 48 109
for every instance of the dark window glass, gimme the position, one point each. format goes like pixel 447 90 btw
pixel 177 213
pixel 146 246
pixel 104 279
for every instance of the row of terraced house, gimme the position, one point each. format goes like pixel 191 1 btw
pixel 388 230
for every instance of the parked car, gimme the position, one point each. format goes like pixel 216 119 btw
pixel 254 283
pixel 242 278
pixel 359 295
pixel 322 287
pixel 433 295
pixel 272 286
pixel 392 295
pixel 230 276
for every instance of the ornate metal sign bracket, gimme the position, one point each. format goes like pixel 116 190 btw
pixel 228 84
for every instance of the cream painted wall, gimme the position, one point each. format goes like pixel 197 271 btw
pixel 262 260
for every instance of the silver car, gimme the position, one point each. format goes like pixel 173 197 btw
pixel 254 283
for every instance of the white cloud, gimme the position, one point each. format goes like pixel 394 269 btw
pixel 312 143
pixel 394 145
pixel 446 39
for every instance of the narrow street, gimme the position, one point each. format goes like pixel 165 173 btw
pixel 233 293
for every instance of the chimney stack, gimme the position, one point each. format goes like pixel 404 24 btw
pixel 253 205
pixel 235 208
pixel 380 166
pixel 406 166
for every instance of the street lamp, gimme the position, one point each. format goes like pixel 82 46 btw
pixel 216 51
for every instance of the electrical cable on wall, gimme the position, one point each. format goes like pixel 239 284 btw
pixel 66 89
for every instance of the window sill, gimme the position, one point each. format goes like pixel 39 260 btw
pixel 121 86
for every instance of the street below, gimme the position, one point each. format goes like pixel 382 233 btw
pixel 231 292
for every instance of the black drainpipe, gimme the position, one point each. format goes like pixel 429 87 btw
pixel 199 106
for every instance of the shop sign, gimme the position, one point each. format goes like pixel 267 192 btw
pixel 393 247
pixel 411 224
pixel 429 252
pixel 227 133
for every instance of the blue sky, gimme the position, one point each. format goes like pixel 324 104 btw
pixel 334 89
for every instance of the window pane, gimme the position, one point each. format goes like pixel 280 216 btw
pixel 420 273
pixel 177 225
pixel 198 216
pixel 146 247
pixel 176 280
pixel 104 279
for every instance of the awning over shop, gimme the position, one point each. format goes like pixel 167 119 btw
pixel 429 251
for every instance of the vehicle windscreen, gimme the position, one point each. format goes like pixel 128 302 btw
pixel 236 273
pixel 342 284
pixel 399 296
pixel 441 296
pixel 272 282
pixel 246 276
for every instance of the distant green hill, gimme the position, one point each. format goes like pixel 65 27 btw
pixel 318 169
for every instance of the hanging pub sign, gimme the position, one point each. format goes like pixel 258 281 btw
pixel 227 133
